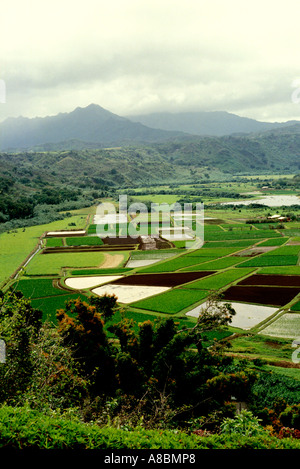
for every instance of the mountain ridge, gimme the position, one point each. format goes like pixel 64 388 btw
pixel 95 126
pixel 92 124
pixel 207 123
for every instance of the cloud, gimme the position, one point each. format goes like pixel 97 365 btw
pixel 134 57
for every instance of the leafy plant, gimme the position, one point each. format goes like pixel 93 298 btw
pixel 245 423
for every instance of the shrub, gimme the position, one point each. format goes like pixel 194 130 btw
pixel 245 424
pixel 286 432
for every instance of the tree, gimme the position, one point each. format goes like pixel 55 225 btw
pixel 55 382
pixel 38 368
pixel 215 315
pixel 105 305
pixel 174 364
pixel 19 328
pixel 82 328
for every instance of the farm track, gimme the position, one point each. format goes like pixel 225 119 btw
pixel 75 249
pixel 111 261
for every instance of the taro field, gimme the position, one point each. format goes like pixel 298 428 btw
pixel 253 267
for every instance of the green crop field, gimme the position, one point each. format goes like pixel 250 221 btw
pixel 51 304
pixel 51 264
pixel 175 264
pixel 84 241
pixel 92 229
pixel 284 250
pixel 241 234
pixel 38 288
pixel 229 244
pixel 212 228
pixel 296 307
pixel 172 301
pixel 281 270
pixel 111 271
pixel 269 260
pixel 261 346
pixel 237 227
pixel 54 242
pixel 219 280
pixel 16 245
pixel 212 252
pixel 274 242
pixel 292 232
pixel 216 264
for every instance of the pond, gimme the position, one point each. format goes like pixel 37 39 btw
pixel 269 200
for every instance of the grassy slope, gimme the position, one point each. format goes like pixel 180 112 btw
pixel 16 246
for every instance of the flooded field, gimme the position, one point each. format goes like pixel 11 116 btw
pixel 129 293
pixel 79 283
pixel 287 326
pixel 269 200
pixel 141 262
pixel 246 317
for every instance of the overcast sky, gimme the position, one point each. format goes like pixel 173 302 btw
pixel 140 56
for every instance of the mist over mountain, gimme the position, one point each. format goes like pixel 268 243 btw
pixel 216 123
pixel 96 127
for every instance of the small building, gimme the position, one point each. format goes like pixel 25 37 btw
pixel 239 405
pixel 147 243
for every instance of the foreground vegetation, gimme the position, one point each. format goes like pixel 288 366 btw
pixel 54 431
pixel 127 388
pixel 97 374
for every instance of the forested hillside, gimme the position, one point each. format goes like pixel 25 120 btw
pixel 36 184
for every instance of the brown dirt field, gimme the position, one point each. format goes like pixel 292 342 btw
pixel 278 280
pixel 261 295
pixel 162 280
pixel 254 251
pixel 214 221
pixel 111 261
pixel 120 241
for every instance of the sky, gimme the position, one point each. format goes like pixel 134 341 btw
pixel 142 56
